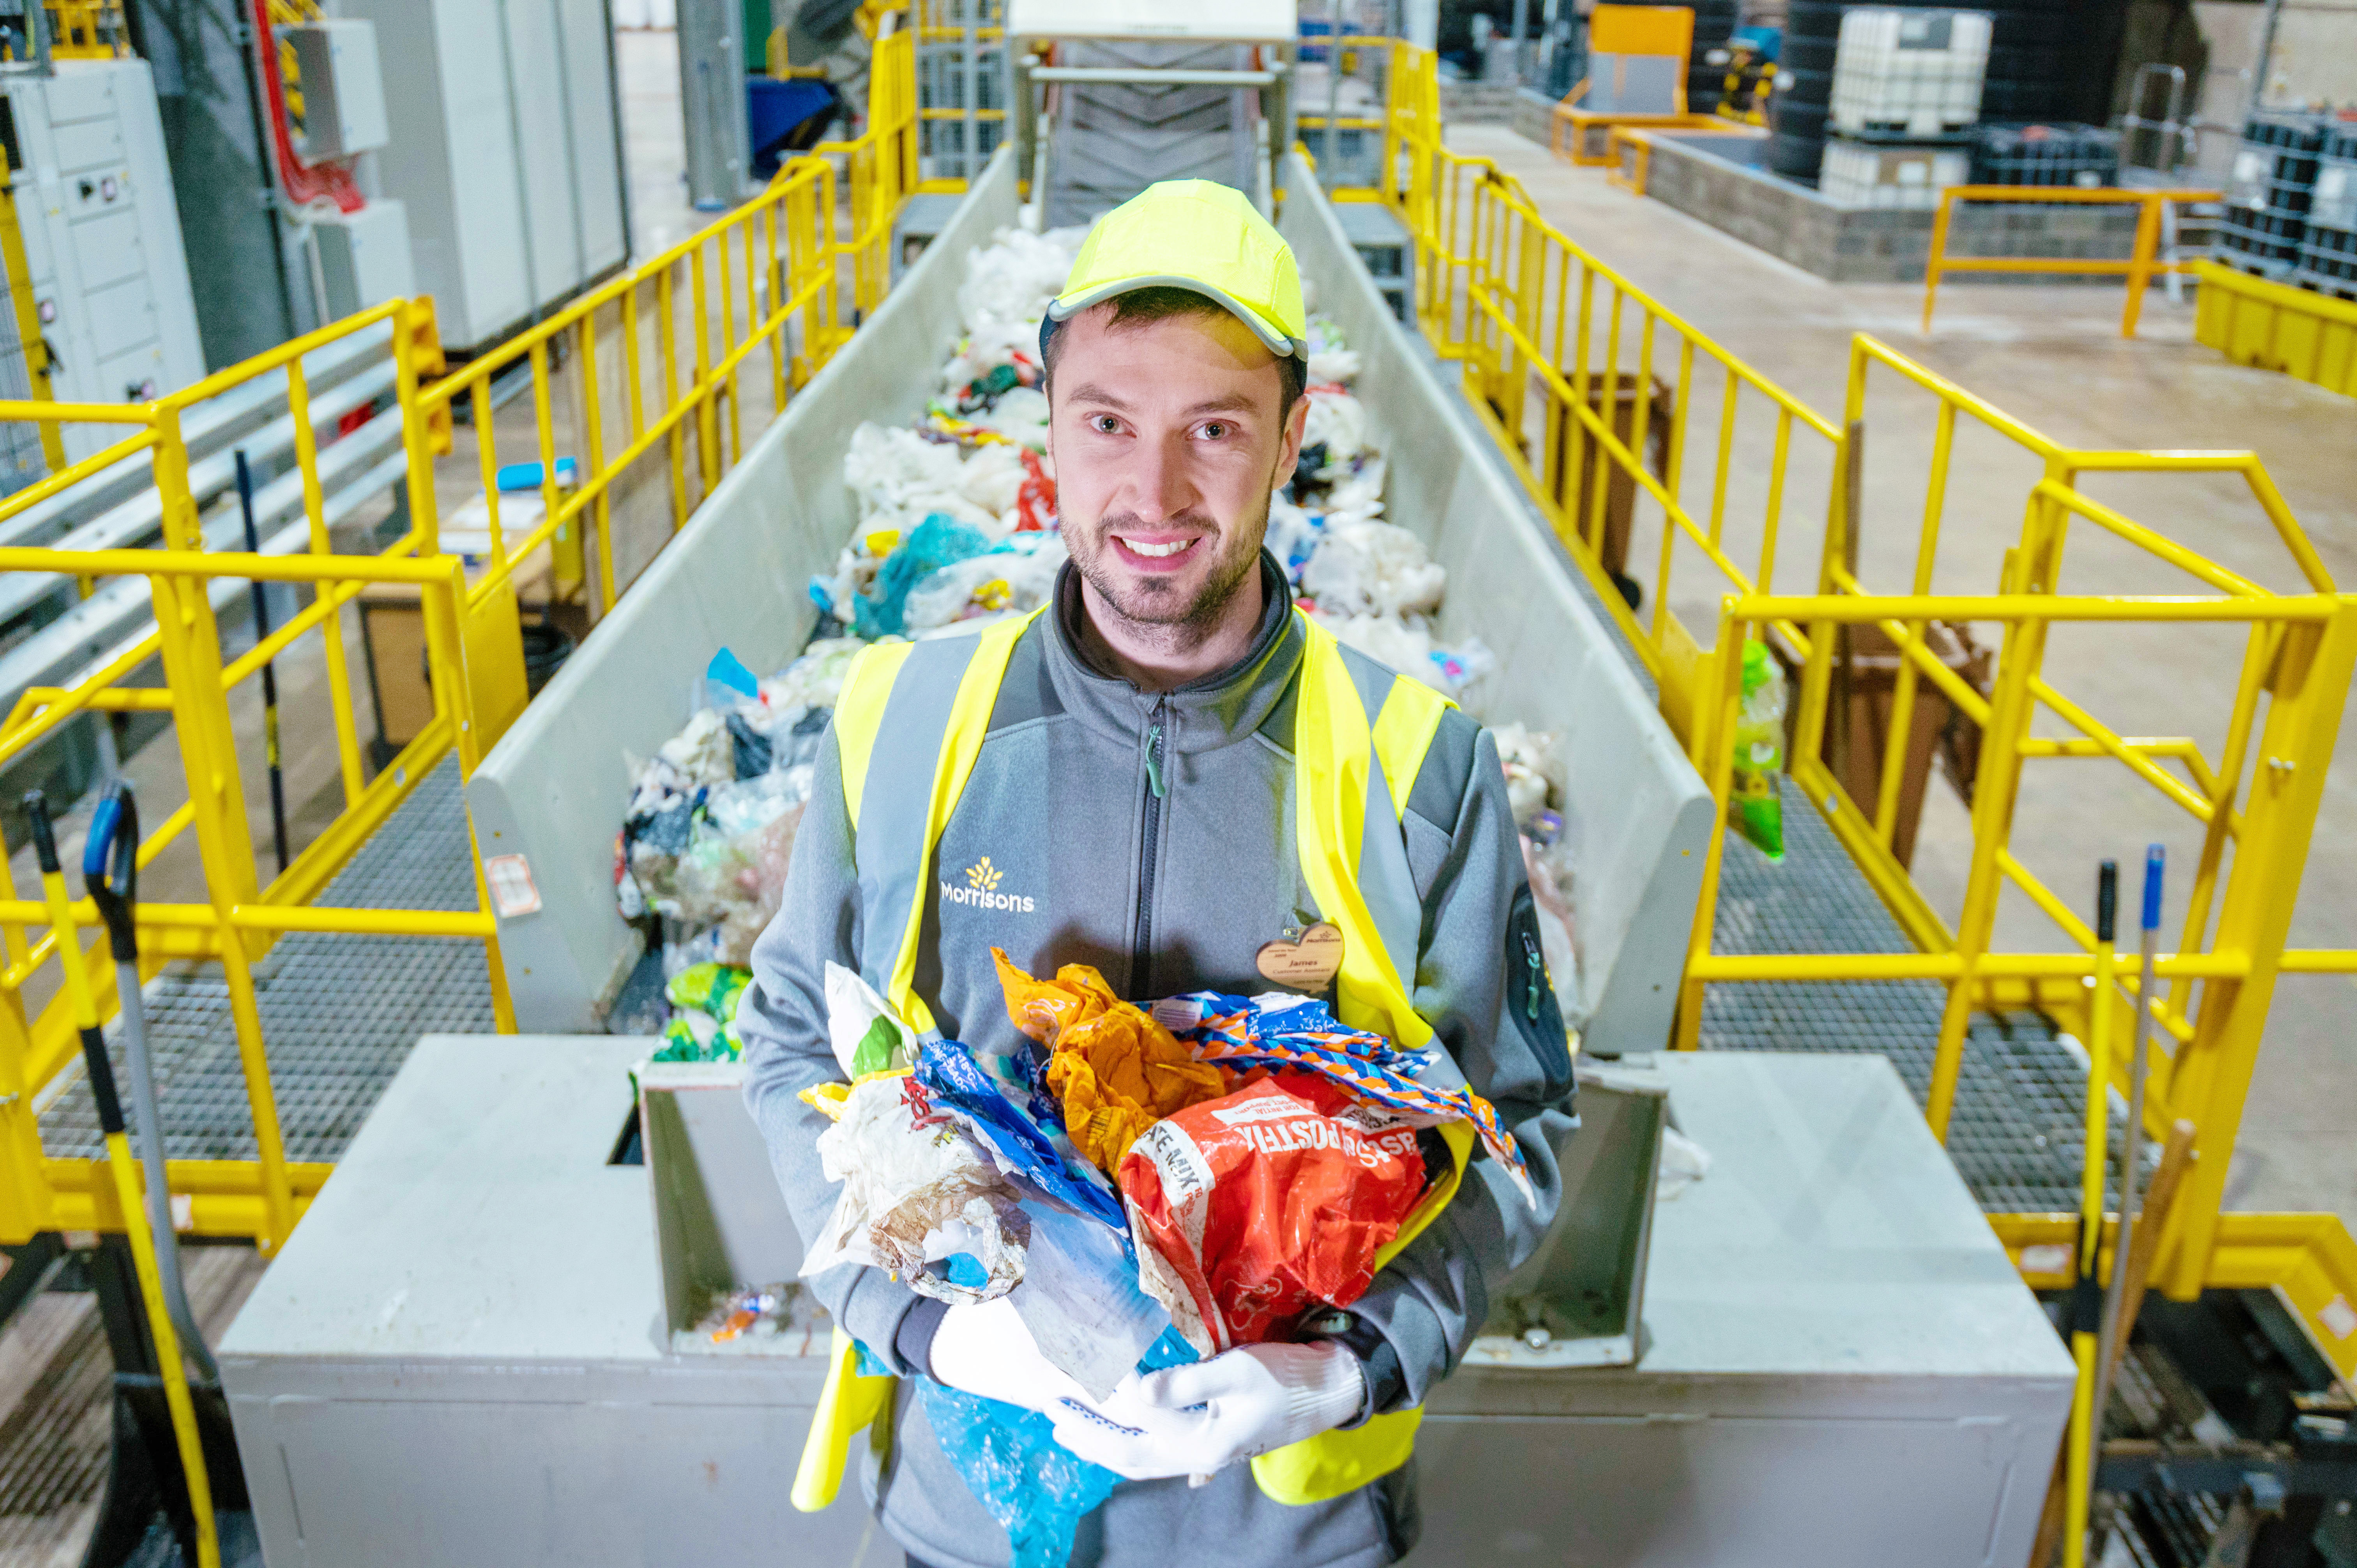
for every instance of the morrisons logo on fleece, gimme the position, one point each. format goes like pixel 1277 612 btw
pixel 980 890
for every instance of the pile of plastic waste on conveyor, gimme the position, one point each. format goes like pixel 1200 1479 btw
pixel 1145 1189
pixel 957 526
pixel 709 832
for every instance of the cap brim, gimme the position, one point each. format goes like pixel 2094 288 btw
pixel 1274 339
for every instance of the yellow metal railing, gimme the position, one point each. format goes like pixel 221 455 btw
pixel 1592 388
pixel 2142 264
pixel 240 917
pixel 657 362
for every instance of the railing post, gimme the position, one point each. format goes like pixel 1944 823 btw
pixel 2309 690
pixel 1712 748
pixel 2140 260
pixel 191 646
pixel 1995 790
pixel 443 605
pixel 1939 251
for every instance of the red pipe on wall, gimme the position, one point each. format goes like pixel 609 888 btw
pixel 304 184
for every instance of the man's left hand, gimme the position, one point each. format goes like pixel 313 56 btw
pixel 1194 1419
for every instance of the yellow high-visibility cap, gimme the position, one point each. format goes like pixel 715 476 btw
pixel 1200 235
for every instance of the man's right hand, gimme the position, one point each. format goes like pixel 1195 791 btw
pixel 983 1348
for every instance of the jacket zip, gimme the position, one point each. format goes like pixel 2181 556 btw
pixel 1141 948
pixel 1534 979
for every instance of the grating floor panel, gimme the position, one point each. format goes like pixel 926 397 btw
pixel 338 1013
pixel 2014 1134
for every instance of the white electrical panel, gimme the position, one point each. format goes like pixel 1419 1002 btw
pixel 343 90
pixel 364 257
pixel 103 251
pixel 507 158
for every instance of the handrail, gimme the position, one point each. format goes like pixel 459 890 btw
pixel 1589 386
pixel 2140 267
pixel 781 273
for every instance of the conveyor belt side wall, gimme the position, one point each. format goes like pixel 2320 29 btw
pixel 737 576
pixel 1637 812
pixel 552 789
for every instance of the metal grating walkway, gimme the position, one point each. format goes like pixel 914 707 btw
pixel 338 1013
pixel 2015 1134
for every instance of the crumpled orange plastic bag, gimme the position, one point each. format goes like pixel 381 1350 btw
pixel 1116 1071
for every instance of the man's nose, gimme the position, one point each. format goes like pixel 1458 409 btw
pixel 1162 487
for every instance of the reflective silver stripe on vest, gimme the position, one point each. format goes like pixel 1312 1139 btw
pixel 894 853
pixel 1386 882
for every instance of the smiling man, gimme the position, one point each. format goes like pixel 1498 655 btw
pixel 1175 777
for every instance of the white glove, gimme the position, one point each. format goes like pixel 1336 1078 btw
pixel 1193 1419
pixel 983 1348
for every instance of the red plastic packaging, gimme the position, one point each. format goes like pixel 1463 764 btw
pixel 1258 1207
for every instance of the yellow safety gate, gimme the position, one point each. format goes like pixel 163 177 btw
pixel 1589 385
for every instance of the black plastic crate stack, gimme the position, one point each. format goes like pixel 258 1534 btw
pixel 2328 246
pixel 2026 78
pixel 2269 193
pixel 2080 155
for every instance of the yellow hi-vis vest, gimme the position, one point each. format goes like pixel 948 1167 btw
pixel 1357 749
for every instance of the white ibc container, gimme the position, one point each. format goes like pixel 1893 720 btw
pixel 1860 174
pixel 1914 72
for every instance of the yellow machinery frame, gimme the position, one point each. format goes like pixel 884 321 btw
pixel 2277 326
pixel 2142 265
pixel 1548 336
pixel 1659 31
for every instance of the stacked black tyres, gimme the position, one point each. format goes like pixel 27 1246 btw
pixel 2033 49
pixel 1714 22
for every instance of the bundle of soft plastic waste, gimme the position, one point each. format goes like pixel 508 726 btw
pixel 759 1310
pixel 1114 1069
pixel 958 1177
pixel 1755 808
pixel 1275 1199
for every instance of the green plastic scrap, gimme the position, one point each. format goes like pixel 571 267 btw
pixel 705 1027
pixel 1754 807
pixel 709 988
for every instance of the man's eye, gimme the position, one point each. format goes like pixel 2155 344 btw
pixel 1104 424
pixel 1216 431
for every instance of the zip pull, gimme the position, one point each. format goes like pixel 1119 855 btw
pixel 1153 756
pixel 1536 978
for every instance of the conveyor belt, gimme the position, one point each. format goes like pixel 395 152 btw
pixel 2014 1134
pixel 338 1013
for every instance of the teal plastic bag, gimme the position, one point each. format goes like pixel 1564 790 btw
pixel 936 542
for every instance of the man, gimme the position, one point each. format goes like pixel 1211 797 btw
pixel 1154 766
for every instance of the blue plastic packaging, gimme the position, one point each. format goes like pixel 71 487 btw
pixel 1035 1487
pixel 949 1069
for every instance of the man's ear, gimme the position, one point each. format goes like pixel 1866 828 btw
pixel 1288 457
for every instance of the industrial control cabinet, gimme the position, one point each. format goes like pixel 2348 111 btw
pixel 505 152
pixel 101 239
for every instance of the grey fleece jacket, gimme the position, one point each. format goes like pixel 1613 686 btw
pixel 1164 895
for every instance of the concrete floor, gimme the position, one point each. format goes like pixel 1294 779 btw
pixel 2049 355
